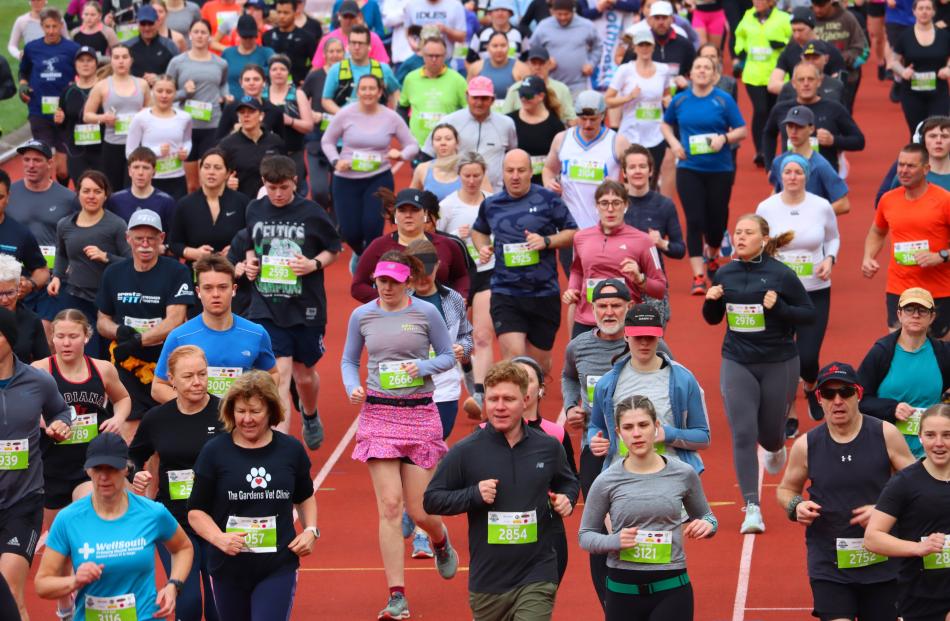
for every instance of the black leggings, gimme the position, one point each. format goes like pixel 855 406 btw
pixel 918 105
pixel 591 466
pixel 705 199
pixel 658 152
pixel 673 605
pixel 809 337
pixel 114 165
pixel 762 103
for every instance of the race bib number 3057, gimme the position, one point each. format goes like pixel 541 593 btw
pixel 261 532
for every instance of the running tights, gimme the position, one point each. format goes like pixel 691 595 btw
pixel 358 211
pixel 809 337
pixel 673 605
pixel 762 103
pixel 115 166
pixel 757 398
pixel 271 599
pixel 188 606
pixel 448 410
pixel 918 106
pixel 705 199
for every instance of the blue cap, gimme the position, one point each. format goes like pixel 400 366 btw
pixel 147 13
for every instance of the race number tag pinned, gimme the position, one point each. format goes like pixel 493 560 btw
pixel 745 317
pixel 83 429
pixel 86 134
pixel 49 253
pixel 180 483
pixel 49 105
pixel 199 110
pixel 512 527
pixel 277 270
pixel 653 547
pixel 798 262
pixel 221 378
pixel 141 325
pixel 591 283
pixel 119 608
pixel 261 532
pixel 122 123
pixel 591 383
pixel 392 376
pixel 904 252
pixel 938 560
pixel 14 454
pixel 701 144
pixel 585 171
pixel 366 162
pixel 166 165
pixel 852 554
pixel 648 112
pixel 911 426
pixel 924 81
pixel 519 255
pixel 537 164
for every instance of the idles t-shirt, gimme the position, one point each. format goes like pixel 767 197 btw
pixel 126 546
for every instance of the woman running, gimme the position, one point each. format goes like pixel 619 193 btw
pixel 92 32
pixel 298 117
pixel 164 30
pixel 537 122
pixel 709 21
pixel 645 549
pixel 318 166
pixel 916 507
pixel 177 431
pixel 400 433
pixel 811 254
pixel 763 302
pixel 922 59
pixel 498 66
pixel 83 141
pixel 440 175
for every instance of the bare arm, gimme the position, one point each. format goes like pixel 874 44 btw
pixel 776 81
pixel 115 390
pixel 796 473
pixel 897 448
pixel 329 106
pixel 174 316
pixel 841 206
pixel 106 326
pixel 54 578
pixel 162 391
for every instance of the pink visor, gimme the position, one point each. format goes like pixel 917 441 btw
pixel 396 271
pixel 643 331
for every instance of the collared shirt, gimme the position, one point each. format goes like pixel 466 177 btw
pixel 430 99
pixel 491 138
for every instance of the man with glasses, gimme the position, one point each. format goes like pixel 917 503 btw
pixel 350 16
pixel 150 51
pixel 339 88
pixel 848 460
pixel 917 215
pixel 30 344
pixel 432 91
pixel 141 300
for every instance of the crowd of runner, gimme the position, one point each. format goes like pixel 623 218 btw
pixel 194 169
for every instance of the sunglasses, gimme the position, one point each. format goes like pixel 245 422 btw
pixel 845 392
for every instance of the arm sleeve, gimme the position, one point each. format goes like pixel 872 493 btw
pixel 655 283
pixel 61 262
pixel 441 343
pixel 41 347
pixel 674 232
pixel 13 46
pixel 714 310
pixel 695 501
pixel 793 304
pixel 832 238
pixel 448 493
pixel 570 379
pixel 202 492
pixel 332 133
pixel 595 46
pixel 598 417
pixel 870 373
pixel 850 137
pixel 770 135
pixel 161 367
pixel 134 139
pixel 303 484
pixel 892 500
pixel 410 146
pixel 350 362
pixel 265 360
pixel 166 523
pixel 695 437
pixel 362 288
pixel 596 506
pixel 58 538
pixel 176 234
pixel 458 270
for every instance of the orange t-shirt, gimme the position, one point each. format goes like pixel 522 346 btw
pixel 219 12
pixel 922 224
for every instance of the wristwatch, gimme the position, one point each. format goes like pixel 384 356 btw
pixel 314 530
pixel 318 263
pixel 547 242
pixel 945 255
pixel 178 584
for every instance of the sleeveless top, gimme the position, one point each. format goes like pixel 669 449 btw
pixel 125 108
pixel 89 398
pixel 845 477
pixel 293 140
pixel 584 166
pixel 96 41
pixel 441 190
pixel 501 77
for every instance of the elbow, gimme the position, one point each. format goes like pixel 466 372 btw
pixel 872 542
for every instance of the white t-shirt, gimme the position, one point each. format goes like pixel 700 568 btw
pixel 448 12
pixel 454 214
pixel 642 117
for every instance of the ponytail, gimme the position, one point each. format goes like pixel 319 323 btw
pixel 775 243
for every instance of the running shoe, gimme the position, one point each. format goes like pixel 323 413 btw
pixel 775 460
pixel 814 408
pixel 712 265
pixel 472 409
pixel 447 559
pixel 408 526
pixel 759 161
pixel 725 248
pixel 353 261
pixel 752 524
pixel 65 615
pixel 791 428
pixel 699 285
pixel 396 608
pixel 881 72
pixel 312 431
pixel 895 93
pixel 421 548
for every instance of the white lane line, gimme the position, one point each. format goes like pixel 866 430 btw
pixel 333 458
pixel 745 563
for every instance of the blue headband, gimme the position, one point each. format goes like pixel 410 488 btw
pixel 795 158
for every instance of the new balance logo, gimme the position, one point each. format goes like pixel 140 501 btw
pixel 540 465
pixel 14 542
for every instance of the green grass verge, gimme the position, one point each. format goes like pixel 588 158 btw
pixel 13 111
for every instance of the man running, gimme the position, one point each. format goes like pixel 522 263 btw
pixel 141 194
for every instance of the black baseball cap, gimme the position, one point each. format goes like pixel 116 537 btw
pixel 643 320
pixel 837 372
pixel 410 196
pixel 249 102
pixel 531 86
pixel 86 50
pixel 107 449
pixel 622 291
pixel 814 47
pixel 246 26
pixel 36 145
pixel 539 53
pixel 803 15
pixel 349 7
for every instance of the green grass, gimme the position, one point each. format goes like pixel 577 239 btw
pixel 13 111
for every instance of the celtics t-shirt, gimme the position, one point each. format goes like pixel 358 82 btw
pixel 126 546
pixel 279 234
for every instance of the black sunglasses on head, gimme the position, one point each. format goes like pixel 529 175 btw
pixel 845 392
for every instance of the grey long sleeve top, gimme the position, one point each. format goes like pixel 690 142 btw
pixel 80 273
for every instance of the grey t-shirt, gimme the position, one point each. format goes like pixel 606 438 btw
pixel 211 84
pixel 586 359
pixel 41 211
pixel 650 502
pixel 182 20
pixel 80 273
pixel 654 385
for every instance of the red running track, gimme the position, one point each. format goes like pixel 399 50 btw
pixel 763 579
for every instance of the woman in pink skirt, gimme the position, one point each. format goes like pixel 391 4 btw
pixel 400 433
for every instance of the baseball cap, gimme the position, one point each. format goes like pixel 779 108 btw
pixel 799 115
pixel 622 291
pixel 249 102
pixel 916 295
pixel 643 320
pixel 815 46
pixel 539 53
pixel 145 217
pixel 246 26
pixel 643 35
pixel 589 102
pixel 531 86
pixel 147 13
pixel 349 7
pixel 662 7
pixel 503 5
pixel 36 145
pixel 107 449
pixel 803 15
pixel 837 372
pixel 86 50
pixel 396 271
pixel 481 87
pixel 256 4
pixel 410 196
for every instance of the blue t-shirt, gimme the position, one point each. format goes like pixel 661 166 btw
pixel 126 546
pixel 539 211
pixel 48 69
pixel 236 63
pixel 823 181
pixel 17 241
pixel 914 378
pixel 333 79
pixel 124 204
pixel 716 113
pixel 246 345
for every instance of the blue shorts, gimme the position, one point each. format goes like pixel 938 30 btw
pixel 45 305
pixel 302 343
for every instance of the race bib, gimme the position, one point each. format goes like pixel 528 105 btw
pixel 180 483
pixel 393 376
pixel 460 52
pixel 124 32
pixel 498 105
pixel 852 554
pixel 277 270
pixel 591 382
pixel 760 54
pixel 83 428
pixel 904 251
pixel 653 547
pixel 798 262
pixel 428 120
pixel 122 123
pixel 227 20
pixel 261 532
pixel 648 112
pixel 14 454
pixel 472 251
pixel 591 283
pixel 49 253
pixel 90 133
pixel 120 608
pixel 938 560
pixel 199 110
pixel 701 144
pixel 911 426
pixel 221 378
pixel 924 81
pixel 49 105
pixel 745 317
pixel 537 164
pixel 325 121
pixel 164 165
pixel 141 325
pixel 585 171
pixel 812 140
pixel 518 255
pixel 512 527
pixel 366 162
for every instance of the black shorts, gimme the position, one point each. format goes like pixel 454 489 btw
pixel 201 141
pixel 539 318
pixel 20 527
pixel 867 602
pixel 46 131
pixel 59 491
pixel 893 32
pixel 876 9
pixel 478 282
pixel 302 343
pixel 941 324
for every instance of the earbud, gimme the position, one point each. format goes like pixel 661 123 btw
pixel 541 392
pixel 425 218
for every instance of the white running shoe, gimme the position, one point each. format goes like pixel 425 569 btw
pixel 752 524
pixel 774 462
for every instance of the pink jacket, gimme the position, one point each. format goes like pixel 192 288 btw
pixel 377 51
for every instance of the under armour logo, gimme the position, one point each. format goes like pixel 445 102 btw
pixel 532 210
pixel 85 550
pixel 845 458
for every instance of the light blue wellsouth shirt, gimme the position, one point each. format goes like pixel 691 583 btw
pixel 914 378
pixel 245 345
